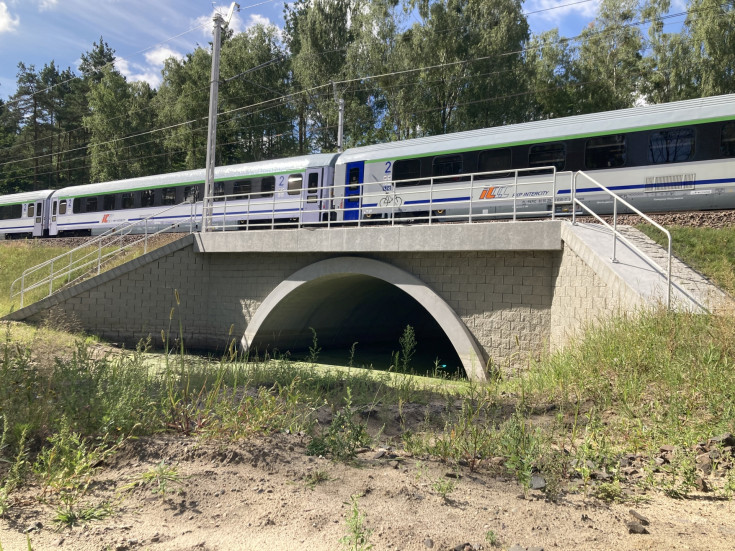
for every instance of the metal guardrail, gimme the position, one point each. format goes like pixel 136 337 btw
pixel 614 227
pixel 76 264
pixel 398 201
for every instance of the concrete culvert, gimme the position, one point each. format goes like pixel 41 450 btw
pixel 347 300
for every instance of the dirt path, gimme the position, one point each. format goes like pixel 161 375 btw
pixel 258 495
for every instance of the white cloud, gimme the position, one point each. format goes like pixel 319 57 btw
pixel 554 11
pixel 149 72
pixel 7 22
pixel 237 24
pixel 137 72
pixel 44 5
pixel 158 55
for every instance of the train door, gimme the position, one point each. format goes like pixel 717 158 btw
pixel 38 220
pixel 53 227
pixel 310 196
pixel 353 190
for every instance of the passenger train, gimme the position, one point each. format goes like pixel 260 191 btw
pixel 674 156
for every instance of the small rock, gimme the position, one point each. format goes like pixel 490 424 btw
pixel 428 542
pixel 462 547
pixel 535 549
pixel 380 454
pixel 393 464
pixel 453 475
pixel 538 482
pixel 701 484
pixel 35 527
pixel 516 547
pixel 636 528
pixel 639 517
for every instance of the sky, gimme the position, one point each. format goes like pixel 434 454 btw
pixel 144 33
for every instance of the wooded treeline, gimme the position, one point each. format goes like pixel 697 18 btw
pixel 405 68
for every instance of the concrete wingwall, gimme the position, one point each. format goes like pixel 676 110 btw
pixel 521 299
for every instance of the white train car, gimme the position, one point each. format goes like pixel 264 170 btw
pixel 277 192
pixel 675 156
pixel 24 214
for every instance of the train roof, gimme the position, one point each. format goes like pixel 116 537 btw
pixel 230 172
pixel 25 197
pixel 579 126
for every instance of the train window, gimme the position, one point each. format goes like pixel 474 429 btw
pixel 408 171
pixel 671 146
pixel 219 191
pixel 267 186
pixel 548 154
pixel 76 204
pixel 108 201
pixel 168 196
pixel 605 151
pixel 295 182
pixel 10 212
pixel 446 165
pixel 242 187
pixel 313 183
pixel 31 210
pixel 62 206
pixel 90 206
pixel 354 178
pixel 494 160
pixel 727 140
pixel 147 198
pixel 128 200
pixel 191 194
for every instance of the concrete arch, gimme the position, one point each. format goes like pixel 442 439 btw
pixel 470 353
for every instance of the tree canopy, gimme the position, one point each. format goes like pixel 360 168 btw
pixel 404 68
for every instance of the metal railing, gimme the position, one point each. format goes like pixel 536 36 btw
pixel 478 196
pixel 614 227
pixel 78 263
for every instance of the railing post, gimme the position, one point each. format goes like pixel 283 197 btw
pixel 51 280
pixel 22 287
pixel 99 257
pixel 515 194
pixel 145 244
pixel 615 230
pixel 574 197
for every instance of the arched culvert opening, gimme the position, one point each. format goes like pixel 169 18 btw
pixel 349 300
pixel 360 309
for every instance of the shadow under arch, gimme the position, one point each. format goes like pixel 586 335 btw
pixel 470 353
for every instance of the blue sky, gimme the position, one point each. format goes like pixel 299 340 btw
pixel 145 32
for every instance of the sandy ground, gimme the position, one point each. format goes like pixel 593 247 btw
pixel 256 495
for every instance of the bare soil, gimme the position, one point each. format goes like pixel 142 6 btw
pixel 256 495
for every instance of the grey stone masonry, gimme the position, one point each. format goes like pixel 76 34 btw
pixel 521 289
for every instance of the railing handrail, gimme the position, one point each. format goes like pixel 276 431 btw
pixel 74 265
pixel 618 235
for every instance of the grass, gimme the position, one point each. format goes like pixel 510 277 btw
pixel 708 250
pixel 17 256
pixel 629 385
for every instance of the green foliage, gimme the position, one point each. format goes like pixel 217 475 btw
pixel 521 444
pixel 69 461
pixel 157 478
pixel 443 487
pixel 68 514
pixel 358 536
pixel 316 477
pixel 343 437
pixel 408 347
